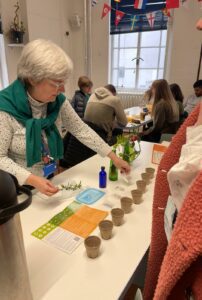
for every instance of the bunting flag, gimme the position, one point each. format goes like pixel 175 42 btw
pixel 172 3
pixel 119 16
pixel 151 19
pixel 94 2
pixel 133 20
pixel 106 10
pixel 166 12
pixel 140 4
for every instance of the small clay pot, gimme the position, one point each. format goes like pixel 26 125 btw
pixel 141 185
pixel 146 177
pixel 92 244
pixel 126 204
pixel 137 196
pixel 117 216
pixel 150 171
pixel 106 227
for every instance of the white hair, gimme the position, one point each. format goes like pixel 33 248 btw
pixel 42 59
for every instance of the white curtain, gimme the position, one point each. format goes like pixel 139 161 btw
pixel 3 66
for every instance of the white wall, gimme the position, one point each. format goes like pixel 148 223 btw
pixel 76 39
pixel 12 54
pixel 48 19
pixel 184 47
pixel 100 46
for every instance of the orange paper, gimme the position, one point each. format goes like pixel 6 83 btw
pixel 84 221
pixel 157 153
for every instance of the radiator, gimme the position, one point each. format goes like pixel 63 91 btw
pixel 129 100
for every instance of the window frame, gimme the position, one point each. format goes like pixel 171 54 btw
pixel 137 67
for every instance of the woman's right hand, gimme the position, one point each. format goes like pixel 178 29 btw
pixel 43 185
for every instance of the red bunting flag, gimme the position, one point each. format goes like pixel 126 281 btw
pixel 119 16
pixel 172 3
pixel 151 19
pixel 106 10
pixel 140 4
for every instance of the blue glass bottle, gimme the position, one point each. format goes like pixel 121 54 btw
pixel 102 178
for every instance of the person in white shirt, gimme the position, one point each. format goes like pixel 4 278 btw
pixel 33 111
pixel 193 100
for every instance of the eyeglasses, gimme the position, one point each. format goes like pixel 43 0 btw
pixel 56 84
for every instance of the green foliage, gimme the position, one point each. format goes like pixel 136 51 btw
pixel 71 186
pixel 131 146
pixel 17 25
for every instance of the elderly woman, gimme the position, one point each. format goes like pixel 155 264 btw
pixel 32 113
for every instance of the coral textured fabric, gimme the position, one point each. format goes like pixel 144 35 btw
pixel 175 268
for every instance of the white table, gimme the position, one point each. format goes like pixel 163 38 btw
pixel 136 110
pixel 57 275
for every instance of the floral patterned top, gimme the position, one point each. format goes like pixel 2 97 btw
pixel 13 141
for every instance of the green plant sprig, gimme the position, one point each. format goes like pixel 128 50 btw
pixel 71 186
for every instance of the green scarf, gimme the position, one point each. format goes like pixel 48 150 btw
pixel 14 100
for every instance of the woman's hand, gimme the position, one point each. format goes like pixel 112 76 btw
pixel 121 164
pixel 43 185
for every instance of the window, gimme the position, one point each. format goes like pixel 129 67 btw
pixel 137 59
pixel 3 66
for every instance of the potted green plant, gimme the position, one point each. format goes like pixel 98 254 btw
pixel 17 28
pixel 128 146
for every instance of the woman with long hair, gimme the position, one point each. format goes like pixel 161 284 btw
pixel 165 112
pixel 178 96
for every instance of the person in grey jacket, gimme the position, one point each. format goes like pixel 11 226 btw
pixel 81 96
pixel 105 110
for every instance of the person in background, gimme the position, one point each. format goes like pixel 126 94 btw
pixel 193 100
pixel 178 96
pixel 33 111
pixel 147 97
pixel 175 262
pixel 81 97
pixel 165 112
pixel 105 110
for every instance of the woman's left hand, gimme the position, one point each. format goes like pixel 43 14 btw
pixel 121 164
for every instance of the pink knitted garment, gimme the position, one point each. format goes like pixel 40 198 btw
pixel 174 268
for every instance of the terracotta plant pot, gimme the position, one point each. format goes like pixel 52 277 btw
pixel 146 177
pixel 126 204
pixel 106 227
pixel 92 244
pixel 150 171
pixel 141 185
pixel 137 196
pixel 117 216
